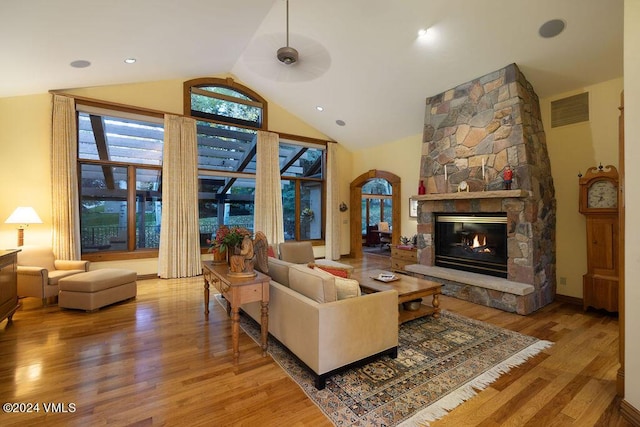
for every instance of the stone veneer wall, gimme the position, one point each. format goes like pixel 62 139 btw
pixel 495 118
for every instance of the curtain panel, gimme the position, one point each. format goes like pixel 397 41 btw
pixel 268 213
pixel 179 254
pixel 65 203
pixel 332 234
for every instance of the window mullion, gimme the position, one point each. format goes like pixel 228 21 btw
pixel 131 208
pixel 298 210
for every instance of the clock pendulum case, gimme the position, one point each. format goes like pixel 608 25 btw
pixel 598 202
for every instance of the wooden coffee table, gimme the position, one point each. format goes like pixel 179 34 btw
pixel 409 288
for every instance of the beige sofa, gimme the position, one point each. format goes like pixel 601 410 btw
pixel 327 335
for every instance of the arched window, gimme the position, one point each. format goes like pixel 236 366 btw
pixel 376 203
pixel 223 100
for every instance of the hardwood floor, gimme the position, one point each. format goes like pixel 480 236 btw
pixel 157 361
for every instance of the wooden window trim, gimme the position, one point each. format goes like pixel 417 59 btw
pixel 230 83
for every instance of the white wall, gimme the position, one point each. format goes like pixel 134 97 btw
pixel 632 199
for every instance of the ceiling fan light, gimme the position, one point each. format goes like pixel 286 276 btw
pixel 287 55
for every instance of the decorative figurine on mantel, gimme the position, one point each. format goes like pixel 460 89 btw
pixel 507 177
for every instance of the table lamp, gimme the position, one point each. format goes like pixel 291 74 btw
pixel 23 216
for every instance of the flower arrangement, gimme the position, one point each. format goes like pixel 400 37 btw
pixel 228 237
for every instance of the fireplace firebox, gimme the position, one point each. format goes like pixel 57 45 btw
pixel 472 242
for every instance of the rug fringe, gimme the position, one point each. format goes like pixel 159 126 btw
pixel 442 407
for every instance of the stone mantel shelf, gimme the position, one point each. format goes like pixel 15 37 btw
pixel 464 195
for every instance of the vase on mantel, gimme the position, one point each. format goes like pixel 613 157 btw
pixel 421 188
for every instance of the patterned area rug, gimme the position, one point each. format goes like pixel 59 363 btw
pixel 441 363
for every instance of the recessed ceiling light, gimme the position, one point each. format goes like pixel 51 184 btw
pixel 340 122
pixel 422 32
pixel 551 28
pixel 130 60
pixel 81 63
pixel 319 108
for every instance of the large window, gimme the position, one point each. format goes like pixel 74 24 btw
pixel 229 117
pixel 120 162
pixel 120 170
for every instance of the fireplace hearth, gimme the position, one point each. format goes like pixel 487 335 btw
pixel 474 243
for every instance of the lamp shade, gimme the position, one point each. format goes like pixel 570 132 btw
pixel 24 215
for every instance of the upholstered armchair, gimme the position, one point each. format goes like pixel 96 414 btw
pixel 373 236
pixel 297 252
pixel 39 272
pixel 302 253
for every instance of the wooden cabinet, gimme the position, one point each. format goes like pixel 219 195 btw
pixel 8 284
pixel 401 256
pixel 599 203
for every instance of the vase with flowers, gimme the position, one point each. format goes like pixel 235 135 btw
pixel 226 241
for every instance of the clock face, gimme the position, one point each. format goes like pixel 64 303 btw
pixel 463 185
pixel 602 195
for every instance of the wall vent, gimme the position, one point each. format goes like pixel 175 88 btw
pixel 573 109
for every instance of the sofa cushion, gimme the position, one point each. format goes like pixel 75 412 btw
pixel 317 285
pixel 347 288
pixel 279 271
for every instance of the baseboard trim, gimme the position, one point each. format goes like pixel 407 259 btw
pixel 569 300
pixel 620 382
pixel 630 413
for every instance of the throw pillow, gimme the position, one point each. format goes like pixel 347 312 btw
pixel 347 288
pixel 338 272
pixel 270 252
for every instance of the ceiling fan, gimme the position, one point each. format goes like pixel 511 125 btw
pixel 289 65
pixel 287 55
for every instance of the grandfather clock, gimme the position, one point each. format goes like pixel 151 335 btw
pixel 599 204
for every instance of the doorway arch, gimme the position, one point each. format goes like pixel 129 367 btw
pixel 355 191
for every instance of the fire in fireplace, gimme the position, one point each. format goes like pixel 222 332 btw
pixel 475 243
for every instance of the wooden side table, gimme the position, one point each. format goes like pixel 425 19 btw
pixel 401 256
pixel 238 291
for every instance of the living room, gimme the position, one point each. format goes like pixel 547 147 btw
pixel 26 172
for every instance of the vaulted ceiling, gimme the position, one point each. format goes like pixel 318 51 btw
pixel 361 60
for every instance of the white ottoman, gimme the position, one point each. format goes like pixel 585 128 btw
pixel 95 289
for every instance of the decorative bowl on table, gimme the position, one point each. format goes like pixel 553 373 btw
pixel 412 305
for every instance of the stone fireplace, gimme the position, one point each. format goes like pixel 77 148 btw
pixel 472 133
